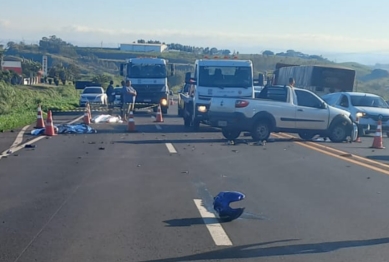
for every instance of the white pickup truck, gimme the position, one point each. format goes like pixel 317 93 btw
pixel 280 109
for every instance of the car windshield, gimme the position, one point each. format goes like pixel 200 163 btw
pixel 147 71
pixel 96 90
pixel 368 101
pixel 225 76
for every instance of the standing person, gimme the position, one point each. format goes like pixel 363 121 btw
pixel 110 94
pixel 128 94
pixel 291 82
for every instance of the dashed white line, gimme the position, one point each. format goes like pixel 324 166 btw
pixel 216 230
pixel 171 148
pixel 158 127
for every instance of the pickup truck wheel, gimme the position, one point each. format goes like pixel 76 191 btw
pixel 338 133
pixel 306 135
pixel 164 111
pixel 230 134
pixel 261 130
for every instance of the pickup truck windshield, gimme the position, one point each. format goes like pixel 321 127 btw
pixel 147 71
pixel 225 76
pixel 368 101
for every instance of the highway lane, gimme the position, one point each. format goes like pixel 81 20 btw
pixel 70 201
pixel 134 199
pixel 13 138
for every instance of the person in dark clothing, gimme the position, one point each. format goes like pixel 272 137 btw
pixel 128 95
pixel 291 82
pixel 110 94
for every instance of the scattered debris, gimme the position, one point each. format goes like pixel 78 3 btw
pixel 101 148
pixel 185 172
pixel 29 146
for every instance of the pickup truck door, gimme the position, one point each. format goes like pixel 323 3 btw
pixel 310 113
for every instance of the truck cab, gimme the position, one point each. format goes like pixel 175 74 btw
pixel 215 78
pixel 149 77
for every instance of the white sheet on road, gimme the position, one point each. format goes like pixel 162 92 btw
pixel 106 119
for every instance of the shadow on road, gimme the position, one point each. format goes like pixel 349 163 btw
pixel 177 141
pixel 187 222
pixel 257 251
pixel 379 158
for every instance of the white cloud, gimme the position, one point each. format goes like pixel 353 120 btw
pixel 277 41
pixel 231 40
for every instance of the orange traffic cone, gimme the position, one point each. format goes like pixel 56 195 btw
pixel 159 117
pixel 377 142
pixel 40 123
pixel 171 101
pixel 49 130
pixel 86 117
pixel 131 123
pixel 358 140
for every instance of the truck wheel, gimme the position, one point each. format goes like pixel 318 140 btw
pixel 179 113
pixel 306 135
pixel 338 133
pixel 387 134
pixel 261 130
pixel 230 134
pixel 155 109
pixel 164 111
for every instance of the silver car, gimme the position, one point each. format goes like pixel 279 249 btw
pixel 369 108
pixel 93 95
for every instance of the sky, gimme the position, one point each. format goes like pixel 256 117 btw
pixel 333 28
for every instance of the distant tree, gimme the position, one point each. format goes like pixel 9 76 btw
pixel 30 67
pixel 268 53
pixel 102 79
pixel 213 51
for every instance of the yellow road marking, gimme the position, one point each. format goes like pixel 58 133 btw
pixel 338 151
pixel 338 156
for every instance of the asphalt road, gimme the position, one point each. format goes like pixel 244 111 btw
pixel 147 196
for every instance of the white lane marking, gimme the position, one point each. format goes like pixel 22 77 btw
pixel 171 148
pixel 18 139
pixel 75 120
pixel 158 127
pixel 17 148
pixel 216 230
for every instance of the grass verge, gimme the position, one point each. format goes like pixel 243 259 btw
pixel 18 104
